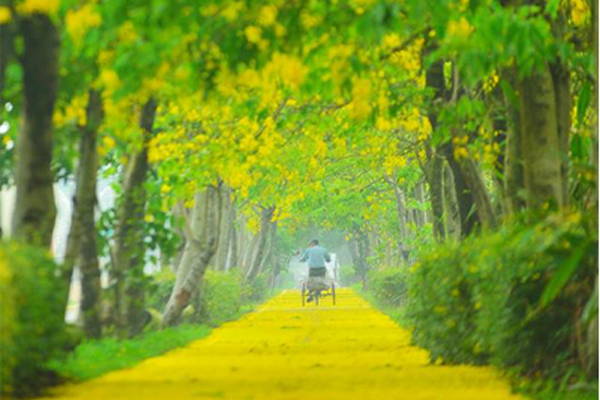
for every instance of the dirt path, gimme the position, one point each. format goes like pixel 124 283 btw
pixel 283 351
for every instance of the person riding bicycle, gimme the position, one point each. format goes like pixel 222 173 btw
pixel 316 256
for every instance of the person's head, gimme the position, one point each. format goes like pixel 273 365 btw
pixel 313 243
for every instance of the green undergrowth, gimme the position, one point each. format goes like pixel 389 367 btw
pixel 94 358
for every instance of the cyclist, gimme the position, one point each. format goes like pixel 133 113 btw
pixel 316 256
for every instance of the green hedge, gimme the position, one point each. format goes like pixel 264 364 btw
pixel 221 297
pixel 513 297
pixel 388 286
pixel 32 329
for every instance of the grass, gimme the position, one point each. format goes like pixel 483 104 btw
pixel 97 357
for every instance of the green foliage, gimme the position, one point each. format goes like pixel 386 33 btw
pixel 388 286
pixel 32 325
pixel 221 297
pixel 257 290
pixel 348 276
pixel 160 288
pixel 476 301
pixel 97 357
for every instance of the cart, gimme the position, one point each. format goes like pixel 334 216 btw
pixel 320 287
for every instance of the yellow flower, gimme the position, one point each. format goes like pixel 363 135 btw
pixel 39 6
pixel 5 16
pixel 267 16
pixel 253 34
pixel 79 22
pixel 460 29
pixel 127 33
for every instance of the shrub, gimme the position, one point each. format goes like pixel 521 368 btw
pixel 221 297
pixel 488 298
pixel 388 286
pixel 33 328
pixel 257 290
pixel 160 288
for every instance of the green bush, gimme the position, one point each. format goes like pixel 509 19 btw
pixel 160 288
pixel 257 290
pixel 513 297
pixel 221 297
pixel 33 329
pixel 388 286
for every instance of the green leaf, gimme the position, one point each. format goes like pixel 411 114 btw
pixel 562 276
pixel 583 102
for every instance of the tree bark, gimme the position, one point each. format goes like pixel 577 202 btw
pixel 270 247
pixel 129 248
pixel 35 210
pixel 514 178
pixel 562 92
pixel 476 184
pixel 265 224
pixel 540 140
pixel 434 178
pixel 233 258
pixel 82 248
pixel 202 238
pixel 451 215
pixel 225 238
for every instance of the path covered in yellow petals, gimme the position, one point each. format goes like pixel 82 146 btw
pixel 284 351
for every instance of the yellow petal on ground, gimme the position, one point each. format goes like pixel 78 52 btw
pixel 286 351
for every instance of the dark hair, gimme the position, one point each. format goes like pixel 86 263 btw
pixel 314 242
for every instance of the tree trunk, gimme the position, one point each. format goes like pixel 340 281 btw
pixel 540 140
pixel 451 215
pixel 514 178
pixel 420 197
pixel 202 238
pixel 225 238
pixel 476 184
pixel 82 248
pixel 271 247
pixel 35 209
pixel 434 178
pixel 233 258
pixel 400 211
pixel 265 223
pixel 129 248
pixel 563 98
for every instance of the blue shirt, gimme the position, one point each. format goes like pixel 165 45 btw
pixel 316 256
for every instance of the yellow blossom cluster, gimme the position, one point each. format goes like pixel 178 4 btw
pixel 459 30
pixel 49 7
pixel 79 22
pixel 5 15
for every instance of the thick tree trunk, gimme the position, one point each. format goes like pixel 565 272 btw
pixel 202 234
pixel 540 140
pixel 265 224
pixel 35 209
pixel 225 238
pixel 434 178
pixel 82 248
pixel 481 197
pixel 563 99
pixel 233 258
pixel 252 245
pixel 129 248
pixel 451 215
pixel 514 177
pixel 270 247
pixel 466 203
pixel 179 213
